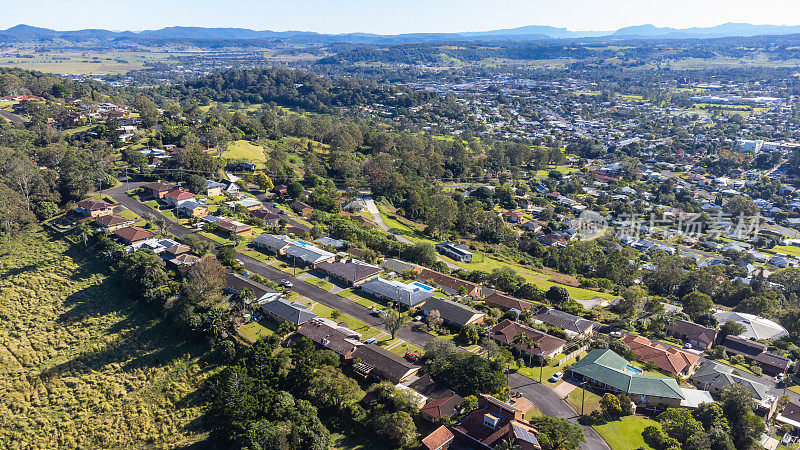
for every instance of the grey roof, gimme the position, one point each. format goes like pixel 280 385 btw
pixel 609 368
pixel 695 332
pixel 308 253
pixel 453 312
pixel 352 272
pixel 399 266
pixel 563 320
pixel 755 326
pixel 236 282
pixel 406 294
pixel 273 242
pixel 290 311
pixel 712 374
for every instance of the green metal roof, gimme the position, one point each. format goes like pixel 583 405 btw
pixel 609 368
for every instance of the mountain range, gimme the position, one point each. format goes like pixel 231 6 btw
pixel 25 33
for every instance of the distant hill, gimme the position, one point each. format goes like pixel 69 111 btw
pixel 26 33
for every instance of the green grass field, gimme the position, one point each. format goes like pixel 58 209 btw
pixel 81 364
pixel 322 284
pixel 591 402
pixel 246 151
pixel 626 433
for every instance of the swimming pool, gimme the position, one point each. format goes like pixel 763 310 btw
pixel 633 370
pixel 421 285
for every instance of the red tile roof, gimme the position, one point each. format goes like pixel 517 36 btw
pixel 179 194
pixel 438 439
pixel 133 234
pixel 506 302
pixel 668 359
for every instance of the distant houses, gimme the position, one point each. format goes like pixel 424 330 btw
pixel 455 251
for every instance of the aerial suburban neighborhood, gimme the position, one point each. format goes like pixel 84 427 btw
pixel 527 238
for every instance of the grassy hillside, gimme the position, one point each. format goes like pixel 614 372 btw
pixel 82 365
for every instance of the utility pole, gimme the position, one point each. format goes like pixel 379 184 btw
pixel 583 396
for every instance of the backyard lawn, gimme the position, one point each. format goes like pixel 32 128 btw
pixel 254 330
pixel 626 433
pixel 245 150
pixel 322 284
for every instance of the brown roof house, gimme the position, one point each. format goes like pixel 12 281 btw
pixel 176 197
pixel 372 360
pixel 332 336
pixel 453 312
pixel 95 208
pixel 496 421
pixel 133 235
pixel 301 208
pixel 157 189
pixel 234 227
pixel 439 439
pixel 451 285
pixel 353 273
pixel 698 336
pixel 506 302
pixel 770 363
pixel 669 360
pixel 573 325
pixel 535 343
pixel 113 222
pixel 442 401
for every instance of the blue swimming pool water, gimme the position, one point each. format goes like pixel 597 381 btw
pixel 299 242
pixel 423 286
pixel 633 370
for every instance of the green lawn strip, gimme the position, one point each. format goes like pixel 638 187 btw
pixel 591 402
pixel 387 341
pixel 322 284
pixel 352 323
pixel 216 237
pixel 405 347
pixel 255 254
pixel 254 330
pixel 128 214
pixel 625 433
pixel 795 389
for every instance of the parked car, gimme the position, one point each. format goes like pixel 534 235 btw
pixel 687 345
pixel 287 284
pixel 556 376
pixel 379 313
pixel 615 334
pixel 371 341
pixel 411 356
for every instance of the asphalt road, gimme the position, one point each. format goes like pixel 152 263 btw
pixel 550 404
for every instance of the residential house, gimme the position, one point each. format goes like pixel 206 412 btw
pixel 452 250
pixel 573 325
pixel 352 273
pixel 94 208
pixel 790 415
pixel 176 197
pixel 668 359
pixel 306 254
pixel 192 209
pixel 527 340
pixel 275 243
pixel 755 327
pixel 113 222
pixel 395 265
pixel 714 377
pixel 248 203
pixel 157 189
pixel 453 312
pixel 214 188
pixel 302 209
pixel 181 261
pixel 354 206
pixel 133 235
pixel 234 227
pixel 327 241
pixel 442 401
pixel 451 285
pixel 506 302
pixel 283 310
pixel 755 351
pixel 332 336
pixel 235 284
pixel 408 295
pixel 440 439
pixel 372 360
pixel 512 216
pixel 608 371
pixel 496 421
pixel 697 336
pixel 270 218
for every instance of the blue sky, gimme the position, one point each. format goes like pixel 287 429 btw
pixel 396 16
